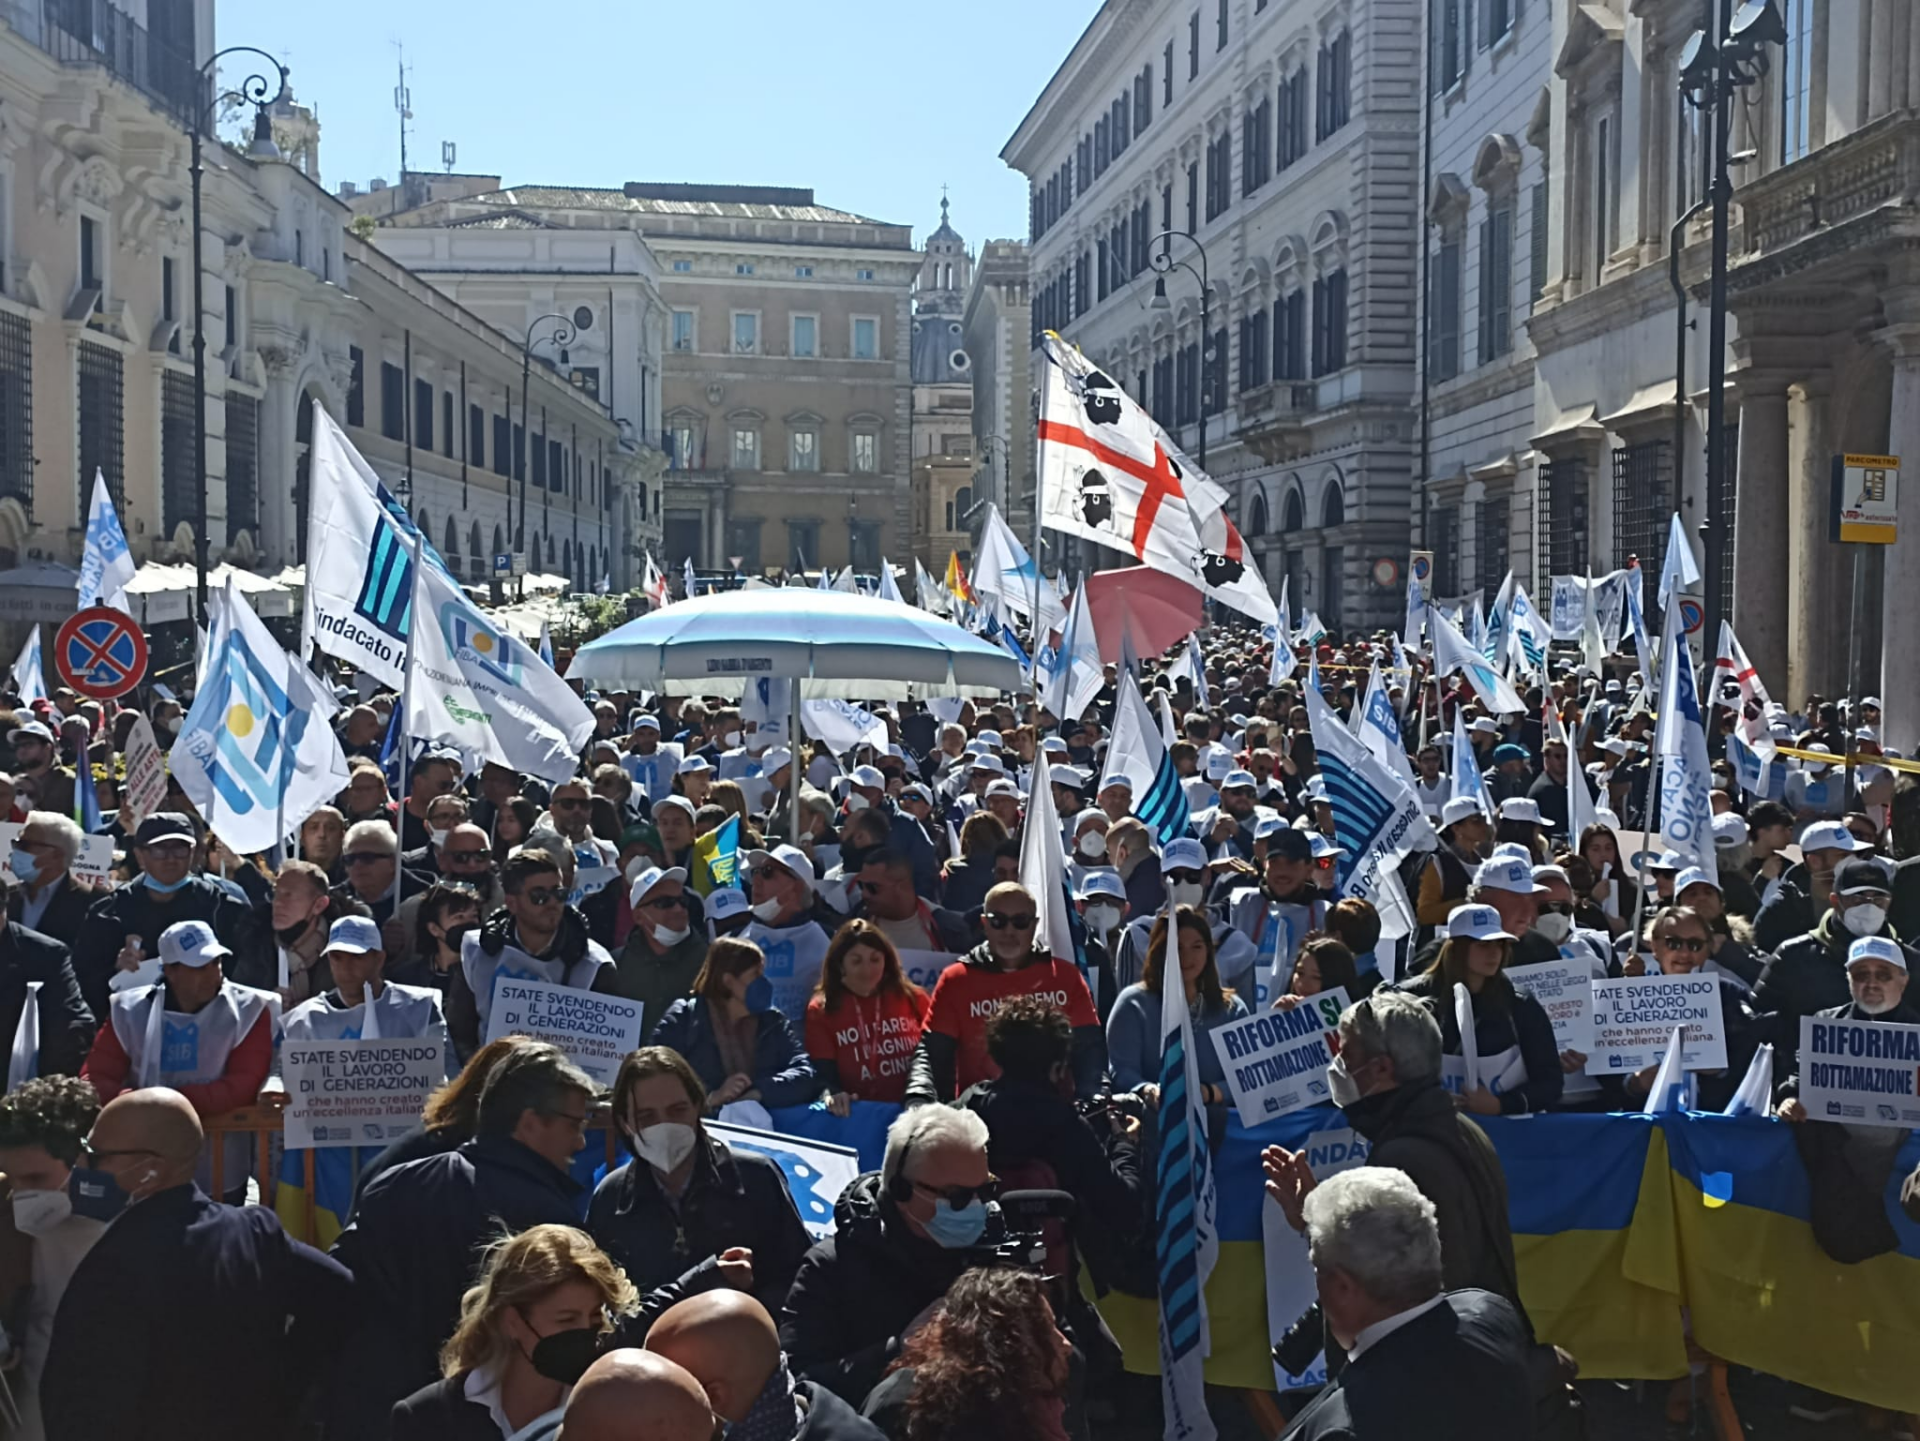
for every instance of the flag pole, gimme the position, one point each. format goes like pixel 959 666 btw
pixel 794 767
pixel 406 703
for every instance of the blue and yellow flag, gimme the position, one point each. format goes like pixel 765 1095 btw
pixel 716 858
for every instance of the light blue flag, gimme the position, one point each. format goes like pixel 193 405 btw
pixel 1678 571
pixel 29 678
pixel 815 1171
pixel 1186 1236
pixel 1376 815
pixel 687 577
pixel 1637 622
pixel 1493 644
pixel 106 565
pixel 546 644
pixel 1467 780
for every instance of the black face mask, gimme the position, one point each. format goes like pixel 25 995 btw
pixel 96 1194
pixel 854 858
pixel 565 1355
pixel 291 935
pixel 457 935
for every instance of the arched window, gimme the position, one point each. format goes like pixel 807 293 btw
pixel 1257 514
pixel 550 552
pixel 1333 507
pixel 1293 517
pixel 643 500
pixel 476 549
pixel 566 559
pixel 499 539
pixel 452 556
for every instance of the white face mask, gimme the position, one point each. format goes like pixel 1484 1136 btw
pixel 1864 920
pixel 1554 926
pixel 439 838
pixel 1093 846
pixel 1186 893
pixel 856 801
pixel 1102 918
pixel 37 1212
pixel 664 1146
pixel 1341 1084
pixel 668 937
pixel 733 740
pixel 766 912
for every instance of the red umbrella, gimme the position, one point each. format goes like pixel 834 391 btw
pixel 1149 607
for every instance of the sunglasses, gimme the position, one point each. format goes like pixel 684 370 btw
pixel 960 1197
pixel 466 855
pixel 1682 943
pixel 368 858
pixel 543 895
pixel 1187 877
pixel 769 873
pixel 1002 923
pixel 569 805
pixel 1555 908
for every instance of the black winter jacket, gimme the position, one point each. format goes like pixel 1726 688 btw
pixel 67 1025
pixel 133 909
pixel 1521 1022
pixel 1806 974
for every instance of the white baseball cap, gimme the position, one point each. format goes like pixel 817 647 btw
pixel 1102 883
pixel 694 765
pixel 1868 948
pixel 774 759
pixel 1457 810
pixel 1693 876
pixel 1220 766
pixel 1729 829
pixel 1830 836
pixel 678 803
pixel 1003 788
pixel 869 777
pixel 726 903
pixel 1183 854
pixel 791 859
pixel 1476 923
pixel 651 877
pixel 356 935
pixel 980 763
pixel 192 943
pixel 1486 725
pixel 1520 808
pixel 1510 873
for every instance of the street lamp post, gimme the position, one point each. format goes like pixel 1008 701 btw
pixel 1163 262
pixel 1711 72
pixel 251 91
pixel 563 333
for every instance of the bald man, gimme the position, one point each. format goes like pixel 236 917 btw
pixel 208 1319
pixel 729 1343
pixel 632 1395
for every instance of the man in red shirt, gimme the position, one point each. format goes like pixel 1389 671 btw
pixel 952 1054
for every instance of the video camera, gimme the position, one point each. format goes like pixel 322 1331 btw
pixel 1110 1103
pixel 1017 1229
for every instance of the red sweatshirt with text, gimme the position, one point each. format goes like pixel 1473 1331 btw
pixel 871 1040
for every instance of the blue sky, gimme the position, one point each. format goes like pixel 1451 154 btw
pixel 873 103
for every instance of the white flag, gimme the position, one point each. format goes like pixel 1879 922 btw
pixel 841 725
pixel 1469 1038
pixel 29 678
pixel 1072 674
pixel 1043 866
pixel 24 1063
pixel 1379 729
pixel 1452 653
pixel 255 753
pixel 1672 1088
pixel 1593 648
pixel 1499 623
pixel 1189 663
pixel 1685 780
pixel 1755 1095
pixel 1528 635
pixel 1467 779
pixel 359 559
pixel 845 582
pixel 546 644
pixel 478 688
pixel 1003 569
pixel 931 595
pixel 889 587
pixel 688 581
pixel 1731 668
pixel 106 565
pixel 1679 571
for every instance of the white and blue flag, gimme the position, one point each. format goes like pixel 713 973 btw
pixel 1191 665
pixel 29 676
pixel 1528 634
pixel 815 1172
pixel 1379 729
pixel 1451 652
pixel 1467 780
pixel 1377 817
pixel 1686 781
pixel 23 1064
pixel 256 755
pixel 1679 571
pixel 1138 752
pixel 106 564
pixel 1070 673
pixel 889 587
pixel 1186 1232
pixel 1499 623
pixel 546 644
pixel 687 579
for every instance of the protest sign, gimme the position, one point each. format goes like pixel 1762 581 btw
pixel 1290 1286
pixel 1564 989
pixel 1634 1016
pixel 357 1093
pixel 595 1031
pixel 95 861
pixel 1861 1072
pixel 923 968
pixel 145 786
pixel 1277 1061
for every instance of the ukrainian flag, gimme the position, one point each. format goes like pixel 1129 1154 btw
pixel 716 858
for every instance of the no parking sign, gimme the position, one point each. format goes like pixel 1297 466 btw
pixel 101 653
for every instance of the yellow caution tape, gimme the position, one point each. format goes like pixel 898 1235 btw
pixel 1892 763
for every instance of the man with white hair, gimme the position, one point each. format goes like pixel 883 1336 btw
pixel 48 899
pixel 1420 1360
pixel 902 1236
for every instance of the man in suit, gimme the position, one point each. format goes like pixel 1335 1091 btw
pixel 188 1318
pixel 1420 1360
pixel 48 899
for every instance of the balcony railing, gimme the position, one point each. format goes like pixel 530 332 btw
pixel 94 32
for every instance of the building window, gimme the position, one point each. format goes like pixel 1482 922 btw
pixel 446 424
pixel 1450 58
pixel 1330 322
pixel 1256 146
pixel 1496 282
pixel 1220 28
pixel 1290 337
pixel 803 272
pixel 1537 262
pixel 1606 155
pixel 1253 351
pixel 1166 76
pixel 681 438
pixel 746 448
pixel 1643 499
pixel 180 488
pixel 1214 376
pixel 803 450
pixel 863 275
pixel 585 379
pixel 1186 385
pixel 232 318
pixel 863 544
pixel 683 335
pixel 682 267
pixel 357 386
pixel 243 464
pixel 866 338
pixel 1290 142
pixel 743 544
pixel 423 414
pixel 1443 539
pixel 1219 174
pixel 393 402
pixel 1561 521
pixel 1796 66
pixel 1334 99
pixel 167 311
pixel 476 450
pixel 803 545
pixel 1193 45
pixel 866 452
pixel 1193 196
pixel 1490 546
pixel 746 332
pixel 92 255
pixel 1499 20
pixel 1443 313
pixel 806 336
pixel 502 445
pixel 16 410
pixel 745 267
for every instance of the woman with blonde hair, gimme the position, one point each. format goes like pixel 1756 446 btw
pixel 545 1303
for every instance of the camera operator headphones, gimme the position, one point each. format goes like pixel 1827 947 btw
pixel 900 1188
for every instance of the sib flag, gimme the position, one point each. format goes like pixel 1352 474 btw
pixel 815 1172
pixel 1466 776
pixel 1138 753
pixel 1378 819
pixel 1452 653
pixel 29 677
pixel 1070 673
pixel 106 565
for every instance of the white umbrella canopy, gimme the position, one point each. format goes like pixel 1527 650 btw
pixel 851 646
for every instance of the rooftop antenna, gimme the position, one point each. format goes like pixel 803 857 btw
pixel 403 104
pixel 446 155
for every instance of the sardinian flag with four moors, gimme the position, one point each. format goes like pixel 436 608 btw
pixel 1111 475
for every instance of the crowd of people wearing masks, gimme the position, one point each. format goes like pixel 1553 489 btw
pixel 877 944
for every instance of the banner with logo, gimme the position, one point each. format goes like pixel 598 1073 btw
pixel 595 1031
pixel 1859 1072
pixel 1290 1285
pixel 357 1093
pixel 1277 1061
pixel 1634 1016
